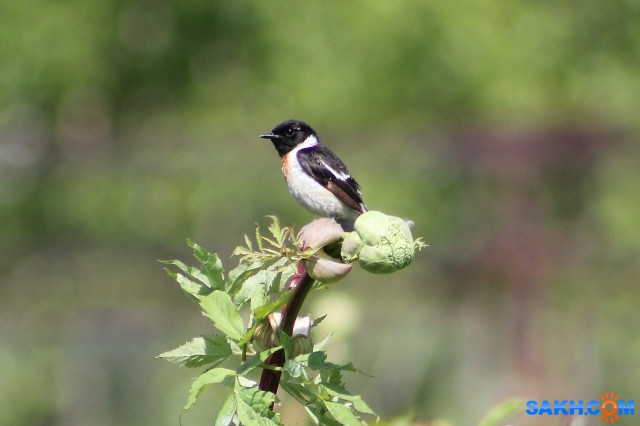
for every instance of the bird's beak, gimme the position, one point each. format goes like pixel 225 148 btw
pixel 270 136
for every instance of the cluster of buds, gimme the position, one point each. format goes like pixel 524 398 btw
pixel 380 244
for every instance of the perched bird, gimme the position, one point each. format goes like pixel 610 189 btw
pixel 316 177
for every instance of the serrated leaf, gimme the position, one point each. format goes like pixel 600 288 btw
pixel 248 416
pixel 190 287
pixel 240 273
pixel 268 308
pixel 255 361
pixel 245 383
pixel 339 391
pixel 259 238
pixel 298 391
pixel 322 344
pixel 283 279
pixel 317 361
pixel 249 285
pixel 220 309
pixel 260 400
pixel 216 375
pixel 199 351
pixel 240 251
pixel 294 368
pixel 499 414
pixel 192 271
pixel 211 264
pixel 254 407
pixel 247 336
pixel 226 413
pixel 342 414
pixel 247 241
pixel 325 419
pixel 276 230
pixel 258 298
pixel 318 320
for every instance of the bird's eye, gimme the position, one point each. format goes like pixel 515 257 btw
pixel 290 131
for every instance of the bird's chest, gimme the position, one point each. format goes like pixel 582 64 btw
pixel 307 191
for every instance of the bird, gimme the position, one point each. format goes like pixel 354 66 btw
pixel 315 176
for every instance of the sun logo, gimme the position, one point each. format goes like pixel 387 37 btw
pixel 609 408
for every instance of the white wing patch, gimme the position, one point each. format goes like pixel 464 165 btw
pixel 339 175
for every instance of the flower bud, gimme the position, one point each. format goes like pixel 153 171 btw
pixel 326 269
pixel 318 235
pixel 387 243
pixel 301 345
pixel 266 335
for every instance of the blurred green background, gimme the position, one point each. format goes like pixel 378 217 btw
pixel 506 130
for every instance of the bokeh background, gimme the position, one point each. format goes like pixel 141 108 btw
pixel 508 131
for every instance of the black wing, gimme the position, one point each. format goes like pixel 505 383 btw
pixel 327 169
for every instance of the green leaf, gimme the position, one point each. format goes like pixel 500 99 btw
pixel 499 414
pixel 199 351
pixel 298 391
pixel 241 251
pixel 258 298
pixel 240 273
pixel 339 391
pixel 276 230
pixel 294 368
pixel 216 375
pixel 247 336
pixel 317 361
pixel 254 407
pixel 322 344
pixel 248 243
pixel 190 287
pixel 268 308
pixel 255 361
pixel 248 416
pixel 342 414
pixel 226 413
pixel 287 268
pixel 192 271
pixel 220 309
pixel 211 265
pixel 312 413
pixel 325 418
pixel 318 320
pixel 259 238
pixel 248 288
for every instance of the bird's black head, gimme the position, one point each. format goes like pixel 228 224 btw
pixel 288 135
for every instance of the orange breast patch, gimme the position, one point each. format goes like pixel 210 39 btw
pixel 285 165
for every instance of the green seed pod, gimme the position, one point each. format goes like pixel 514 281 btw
pixel 387 243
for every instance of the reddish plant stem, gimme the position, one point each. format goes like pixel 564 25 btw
pixel 270 379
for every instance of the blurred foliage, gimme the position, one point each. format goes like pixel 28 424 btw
pixel 507 131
